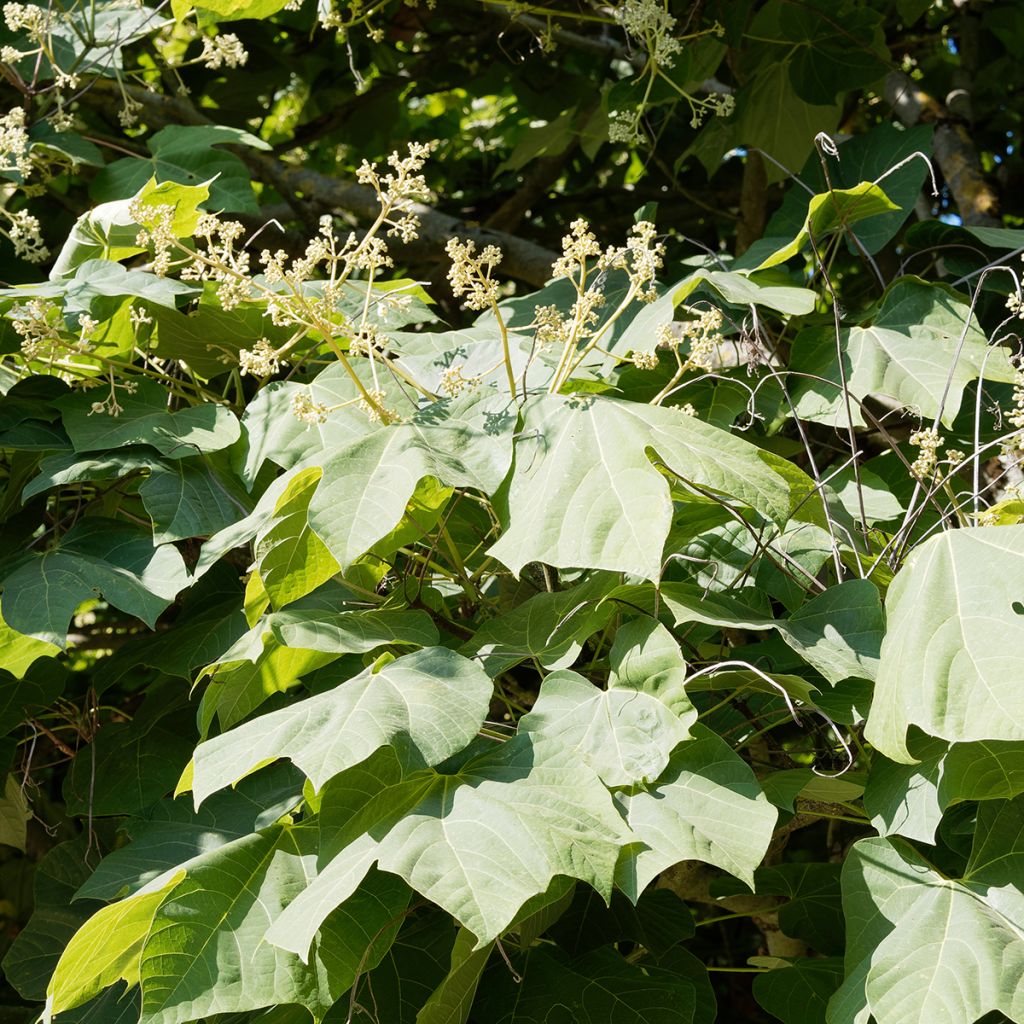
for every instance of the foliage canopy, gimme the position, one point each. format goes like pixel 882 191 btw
pixel 511 512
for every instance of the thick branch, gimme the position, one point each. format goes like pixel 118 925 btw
pixel 523 260
pixel 954 151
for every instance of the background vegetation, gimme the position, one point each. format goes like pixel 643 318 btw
pixel 511 512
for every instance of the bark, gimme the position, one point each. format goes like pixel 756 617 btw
pixel 954 151
pixel 311 194
pixel 753 206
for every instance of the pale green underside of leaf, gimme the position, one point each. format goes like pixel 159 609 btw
pixel 431 702
pixel 909 353
pixel 479 844
pixel 949 661
pixel 625 736
pixel 924 949
pixel 909 800
pixel 706 806
pixel 584 491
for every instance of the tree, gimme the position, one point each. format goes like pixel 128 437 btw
pixel 512 512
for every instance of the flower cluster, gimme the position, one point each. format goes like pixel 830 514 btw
pixel 222 261
pixel 14 143
pixel 400 189
pixel 1016 415
pixel 306 410
pixel 367 340
pixel 372 405
pixel 223 51
pixel 645 360
pixel 453 382
pixel 577 247
pixel 550 326
pixel 156 231
pixel 641 258
pixel 261 360
pixel 38 323
pixel 31 19
pixel 718 104
pixel 704 334
pixel 929 442
pixel 110 406
pixel 624 127
pixel 24 233
pixel 650 23
pixel 470 273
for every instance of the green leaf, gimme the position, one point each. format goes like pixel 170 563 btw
pixel 105 950
pixel 193 497
pixel 659 921
pixel 370 473
pixel 735 288
pixel 368 483
pixel 32 956
pixel 235 10
pixel 799 992
pixel 646 658
pixel 284 646
pixel 185 154
pixel 549 627
pixel 624 735
pixel 879 503
pixel 131 765
pixel 923 948
pixel 863 158
pixel 219 914
pixel 208 339
pixel 479 843
pixel 772 117
pixel 812 911
pixel 210 621
pixel 451 1001
pixel 20 651
pixel 909 800
pixel 95 557
pixel 410 972
pixel 687 602
pixel 833 211
pixel 108 231
pixel 433 701
pixel 834 57
pixel 839 632
pixel 96 282
pixel 14 814
pixel 583 482
pixel 948 661
pixel 145 419
pixel 706 806
pixel 908 351
pixel 601 987
pixel 742 289
pixel 173 834
pixel 69 467
pixel 291 559
pixel 75 147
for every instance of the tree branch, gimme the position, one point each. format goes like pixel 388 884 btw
pixel 523 260
pixel 954 151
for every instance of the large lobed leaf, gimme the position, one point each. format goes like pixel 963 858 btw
pixel 949 661
pixel 585 490
pixel 430 704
